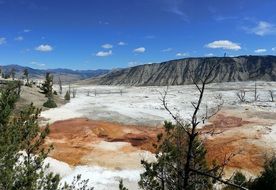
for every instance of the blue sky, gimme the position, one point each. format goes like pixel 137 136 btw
pixel 99 34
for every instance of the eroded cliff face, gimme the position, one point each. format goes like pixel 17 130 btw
pixel 178 72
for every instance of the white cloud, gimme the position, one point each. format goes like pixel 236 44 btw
pixel 224 44
pixel 182 54
pixel 19 38
pixel 104 53
pixel 107 46
pixel 263 28
pixel 273 49
pixel 135 63
pixel 260 50
pixel 209 55
pixel 44 48
pixel 122 44
pixel 38 64
pixel 103 22
pixel 176 7
pixel 167 50
pixel 26 30
pixel 2 41
pixel 139 50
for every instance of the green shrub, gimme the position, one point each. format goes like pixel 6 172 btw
pixel 67 96
pixel 29 85
pixel 50 103
pixel 267 178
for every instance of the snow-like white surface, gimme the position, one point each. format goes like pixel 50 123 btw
pixel 104 179
pixel 111 146
pixel 100 178
pixel 62 168
pixel 142 105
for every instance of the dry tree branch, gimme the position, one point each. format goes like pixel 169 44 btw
pixel 226 182
pixel 174 116
pixel 192 133
pixel 271 95
pixel 241 95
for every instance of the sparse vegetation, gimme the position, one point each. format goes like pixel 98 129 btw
pixel 12 73
pixel 67 96
pixel 180 158
pixel 271 94
pixel 241 95
pixel 267 178
pixel 74 92
pixel 50 103
pixel 238 179
pixel 60 85
pixel 256 95
pixel 26 75
pixel 21 152
pixel 47 87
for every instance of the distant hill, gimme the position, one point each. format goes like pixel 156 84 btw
pixel 176 72
pixel 66 75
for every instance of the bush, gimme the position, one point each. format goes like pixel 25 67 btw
pixel 29 85
pixel 67 96
pixel 267 178
pixel 55 93
pixel 238 179
pixel 50 103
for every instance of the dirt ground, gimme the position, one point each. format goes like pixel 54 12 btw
pixel 32 95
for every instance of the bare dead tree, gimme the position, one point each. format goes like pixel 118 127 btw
pixel 184 174
pixel 256 95
pixel 60 85
pixel 74 93
pixel 69 90
pixel 241 95
pixel 271 93
pixel 210 112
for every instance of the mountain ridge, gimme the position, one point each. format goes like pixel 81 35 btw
pixel 66 75
pixel 175 72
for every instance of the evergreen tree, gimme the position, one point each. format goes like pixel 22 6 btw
pixel 180 159
pixel 22 153
pixel 67 96
pixel 267 179
pixel 47 87
pixel 26 74
pixel 168 170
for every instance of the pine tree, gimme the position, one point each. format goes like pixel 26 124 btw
pixel 168 170
pixel 21 152
pixel 47 87
pixel 26 74
pixel 180 158
pixel 67 96
pixel 267 179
